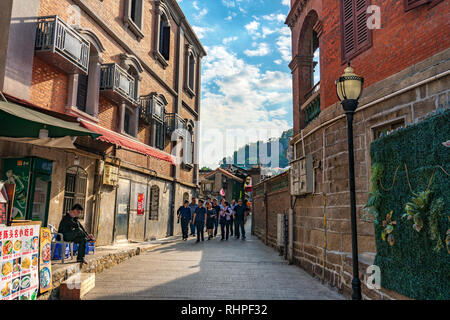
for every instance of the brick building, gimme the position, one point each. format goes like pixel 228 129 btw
pixel 405 64
pixel 128 70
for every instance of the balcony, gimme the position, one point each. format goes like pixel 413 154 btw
pixel 175 123
pixel 311 107
pixel 150 108
pixel 60 45
pixel 117 84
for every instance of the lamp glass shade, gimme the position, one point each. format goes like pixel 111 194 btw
pixel 349 85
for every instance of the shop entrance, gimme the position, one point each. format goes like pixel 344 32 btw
pixel 122 211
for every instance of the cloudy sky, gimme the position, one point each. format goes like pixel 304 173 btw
pixel 246 82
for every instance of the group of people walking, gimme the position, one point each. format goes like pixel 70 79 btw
pixel 231 218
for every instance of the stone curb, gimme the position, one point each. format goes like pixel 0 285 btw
pixel 97 265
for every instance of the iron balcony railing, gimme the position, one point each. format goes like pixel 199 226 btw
pixel 54 36
pixel 312 91
pixel 175 123
pixel 117 83
pixel 312 110
pixel 150 108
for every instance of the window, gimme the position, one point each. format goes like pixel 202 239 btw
pixel 191 73
pixel 355 35
pixel 164 37
pixel 159 135
pixel 185 197
pixel 383 129
pixel 82 92
pixel 411 4
pixel 75 188
pixel 133 17
pixel 161 49
pixel 188 147
pixel 154 203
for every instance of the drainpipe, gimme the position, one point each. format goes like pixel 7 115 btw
pixel 291 230
pixel 266 238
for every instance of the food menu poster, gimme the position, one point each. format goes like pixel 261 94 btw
pixel 45 265
pixel 19 262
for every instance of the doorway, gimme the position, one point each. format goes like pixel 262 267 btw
pixel 122 211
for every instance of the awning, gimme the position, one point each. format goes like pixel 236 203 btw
pixel 60 143
pixel 20 122
pixel 122 141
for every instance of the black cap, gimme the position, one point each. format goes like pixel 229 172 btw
pixel 77 206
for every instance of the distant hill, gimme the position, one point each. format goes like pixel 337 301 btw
pixel 255 156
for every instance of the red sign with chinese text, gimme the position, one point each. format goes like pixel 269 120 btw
pixel 140 204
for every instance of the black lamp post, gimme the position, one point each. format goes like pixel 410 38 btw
pixel 349 88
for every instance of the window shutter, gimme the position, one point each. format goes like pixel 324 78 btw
pixel 356 36
pixel 166 42
pixel 362 32
pixel 411 4
pixel 348 26
pixel 82 92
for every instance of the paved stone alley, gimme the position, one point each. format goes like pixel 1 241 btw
pixel 215 269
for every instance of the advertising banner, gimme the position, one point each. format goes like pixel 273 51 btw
pixel 140 204
pixel 19 262
pixel 45 265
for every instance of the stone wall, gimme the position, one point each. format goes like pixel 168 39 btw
pixel 323 246
pixel 276 191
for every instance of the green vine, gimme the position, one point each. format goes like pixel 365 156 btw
pixel 374 202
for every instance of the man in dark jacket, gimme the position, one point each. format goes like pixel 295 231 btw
pixel 240 213
pixel 73 231
pixel 184 212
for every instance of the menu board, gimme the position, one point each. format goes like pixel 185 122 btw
pixel 19 262
pixel 45 265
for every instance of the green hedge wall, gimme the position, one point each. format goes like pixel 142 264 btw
pixel 411 266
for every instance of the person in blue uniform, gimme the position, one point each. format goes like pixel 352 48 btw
pixel 210 220
pixel 184 213
pixel 199 220
pixel 193 205
pixel 240 216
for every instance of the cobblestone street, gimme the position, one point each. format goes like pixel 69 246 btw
pixel 215 269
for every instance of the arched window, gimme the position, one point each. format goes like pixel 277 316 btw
pixel 164 37
pixel 188 147
pixel 191 71
pixel 75 188
pixel 154 203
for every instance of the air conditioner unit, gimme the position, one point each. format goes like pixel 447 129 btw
pixel 301 176
pixel 110 175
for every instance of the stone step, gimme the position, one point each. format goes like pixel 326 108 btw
pixel 77 286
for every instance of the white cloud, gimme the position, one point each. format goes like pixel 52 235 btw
pixel 252 27
pixel 236 96
pixel 275 17
pixel 201 31
pixel 278 61
pixel 261 50
pixel 284 47
pixel 286 2
pixel 229 39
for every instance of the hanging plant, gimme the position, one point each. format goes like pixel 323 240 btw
pixel 388 225
pixel 417 209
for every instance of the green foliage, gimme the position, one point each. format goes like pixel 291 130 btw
pixel 373 204
pixel 414 266
pixel 417 209
pixel 436 209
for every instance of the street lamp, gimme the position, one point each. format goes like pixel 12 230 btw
pixel 349 88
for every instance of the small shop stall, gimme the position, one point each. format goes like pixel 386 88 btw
pixel 25 252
